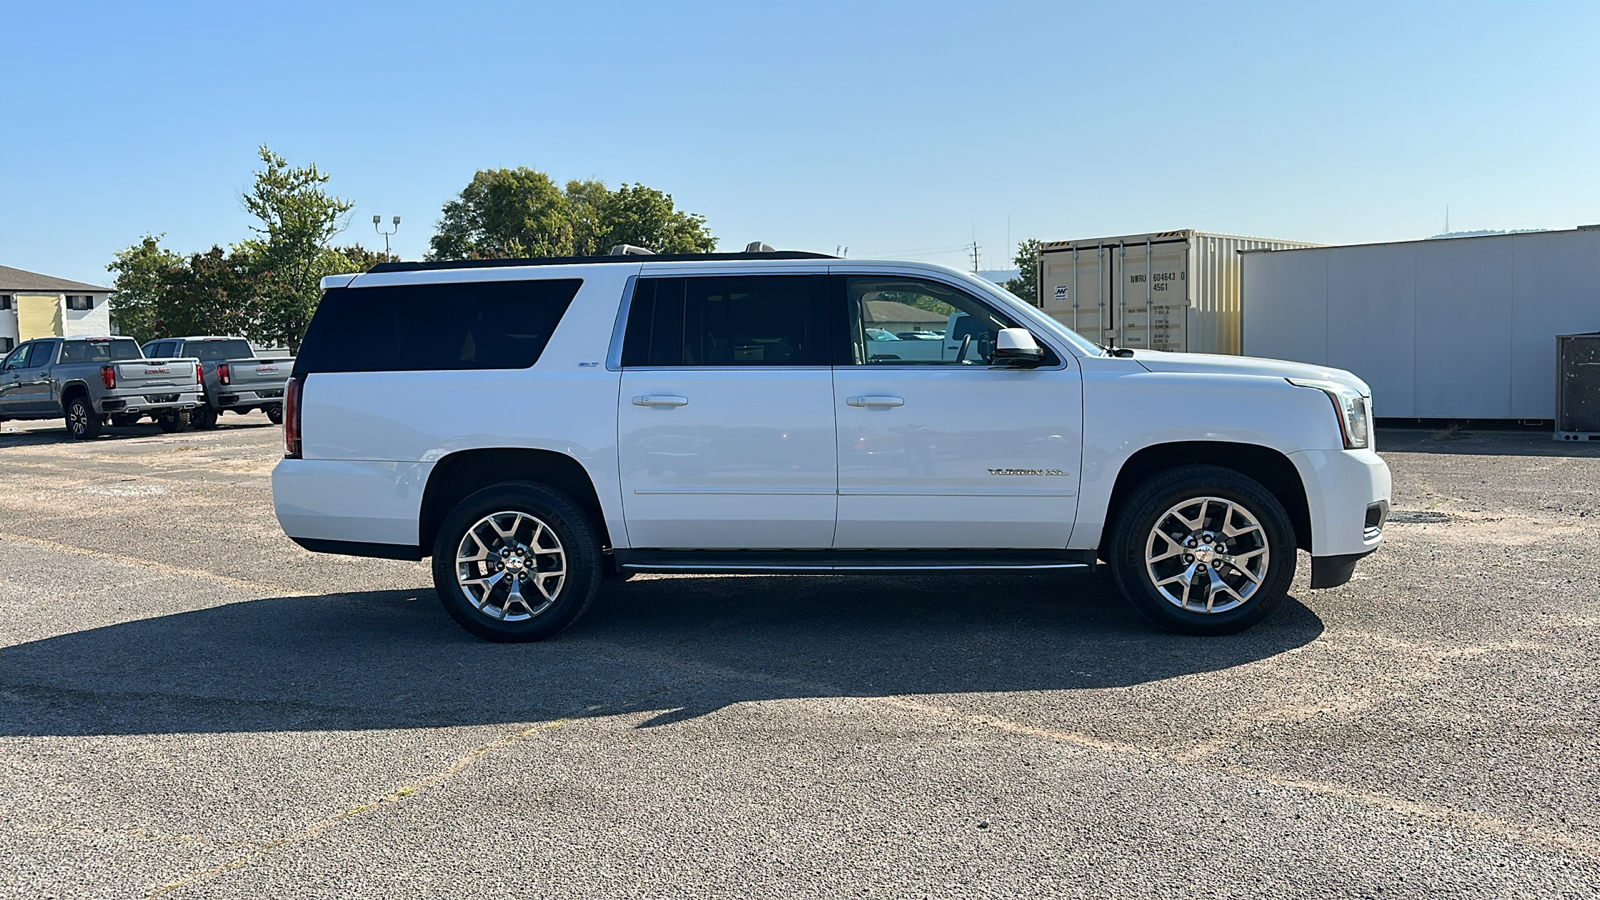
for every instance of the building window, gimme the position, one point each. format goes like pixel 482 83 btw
pixel 5 301
pixel 7 345
pixel 80 301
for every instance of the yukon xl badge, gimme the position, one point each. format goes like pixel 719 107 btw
pixel 1026 472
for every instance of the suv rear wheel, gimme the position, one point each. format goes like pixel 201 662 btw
pixel 203 418
pixel 516 562
pixel 1203 550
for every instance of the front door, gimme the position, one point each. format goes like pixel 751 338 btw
pixel 11 379
pixel 32 393
pixel 948 451
pixel 725 418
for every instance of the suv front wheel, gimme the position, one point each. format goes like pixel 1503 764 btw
pixel 1203 550
pixel 516 562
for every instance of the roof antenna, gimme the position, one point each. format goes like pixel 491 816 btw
pixel 758 247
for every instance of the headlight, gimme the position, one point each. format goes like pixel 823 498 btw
pixel 1355 421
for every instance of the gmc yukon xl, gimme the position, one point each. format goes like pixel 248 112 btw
pixel 534 425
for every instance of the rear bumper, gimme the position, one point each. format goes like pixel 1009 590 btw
pixel 232 399
pixel 326 503
pixel 143 404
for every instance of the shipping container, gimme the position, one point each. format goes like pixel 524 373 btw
pixel 1456 328
pixel 1170 290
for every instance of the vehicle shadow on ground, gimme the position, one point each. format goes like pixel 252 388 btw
pixel 1481 442
pixel 47 436
pixel 679 647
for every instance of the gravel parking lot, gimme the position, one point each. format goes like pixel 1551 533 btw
pixel 192 706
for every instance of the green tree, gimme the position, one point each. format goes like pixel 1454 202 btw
pixel 1026 284
pixel 521 212
pixel 141 271
pixel 504 213
pixel 645 217
pixel 210 293
pixel 361 259
pixel 290 254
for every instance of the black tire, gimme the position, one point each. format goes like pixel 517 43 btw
pixel 572 594
pixel 203 418
pixel 83 422
pixel 275 415
pixel 1132 539
pixel 173 422
pixel 124 421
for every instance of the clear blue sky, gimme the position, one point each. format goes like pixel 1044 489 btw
pixel 894 129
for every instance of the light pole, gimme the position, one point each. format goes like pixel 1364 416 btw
pixel 386 234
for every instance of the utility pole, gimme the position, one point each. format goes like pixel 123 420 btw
pixel 975 249
pixel 386 234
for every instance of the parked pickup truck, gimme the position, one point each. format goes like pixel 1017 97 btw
pixel 534 424
pixel 87 379
pixel 236 378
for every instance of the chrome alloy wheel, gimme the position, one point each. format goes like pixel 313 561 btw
pixel 1207 555
pixel 78 418
pixel 511 566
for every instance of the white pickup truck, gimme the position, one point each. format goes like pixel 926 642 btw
pixel 533 425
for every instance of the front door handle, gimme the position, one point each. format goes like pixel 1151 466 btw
pixel 866 400
pixel 667 400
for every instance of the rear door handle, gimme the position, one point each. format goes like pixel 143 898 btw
pixel 875 400
pixel 668 400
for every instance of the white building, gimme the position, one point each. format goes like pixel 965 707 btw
pixel 1463 328
pixel 34 305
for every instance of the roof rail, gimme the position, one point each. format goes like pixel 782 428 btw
pixel 589 260
pixel 631 250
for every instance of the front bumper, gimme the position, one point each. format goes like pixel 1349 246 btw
pixel 149 404
pixel 1347 492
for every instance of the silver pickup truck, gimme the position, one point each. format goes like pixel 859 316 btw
pixel 87 379
pixel 236 378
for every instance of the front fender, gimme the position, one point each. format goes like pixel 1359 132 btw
pixel 1128 408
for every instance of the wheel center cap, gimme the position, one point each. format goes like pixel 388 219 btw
pixel 1204 554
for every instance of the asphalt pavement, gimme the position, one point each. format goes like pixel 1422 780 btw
pixel 192 706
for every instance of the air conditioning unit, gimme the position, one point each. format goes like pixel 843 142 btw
pixel 1578 387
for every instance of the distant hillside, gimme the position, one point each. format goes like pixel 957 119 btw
pixel 1461 234
pixel 998 276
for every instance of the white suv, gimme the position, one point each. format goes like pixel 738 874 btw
pixel 534 425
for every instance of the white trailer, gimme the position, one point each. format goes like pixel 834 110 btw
pixel 1169 290
pixel 1458 328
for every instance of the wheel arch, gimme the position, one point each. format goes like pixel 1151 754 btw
pixel 463 472
pixel 72 389
pixel 1275 471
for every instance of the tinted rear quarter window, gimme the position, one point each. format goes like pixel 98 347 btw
pixel 426 327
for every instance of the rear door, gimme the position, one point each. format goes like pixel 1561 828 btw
pixel 952 453
pixel 725 418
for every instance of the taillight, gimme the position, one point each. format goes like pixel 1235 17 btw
pixel 108 376
pixel 223 375
pixel 200 374
pixel 291 418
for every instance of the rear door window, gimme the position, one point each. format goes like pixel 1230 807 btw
pixel 731 321
pixel 425 327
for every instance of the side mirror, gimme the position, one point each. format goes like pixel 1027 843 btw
pixel 1015 348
